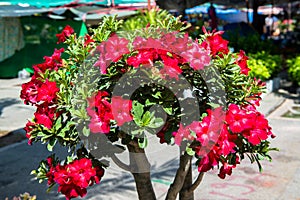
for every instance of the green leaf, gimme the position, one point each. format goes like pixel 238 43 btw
pixel 146 118
pixel 85 131
pixel 156 122
pixel 149 103
pixel 213 105
pixel 33 172
pixel 143 142
pixel 157 95
pixel 192 133
pixel 190 151
pixel 258 163
pixel 137 111
pixel 51 144
pixel 50 187
pixel 169 110
pixel 69 159
pixel 41 134
pixel 61 134
pixel 58 123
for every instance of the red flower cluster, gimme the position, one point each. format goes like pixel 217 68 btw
pixel 110 51
pixel 51 62
pixel 74 178
pixel 197 56
pixel 66 32
pixel 101 111
pixel 169 49
pixel 218 134
pixel 250 123
pixel 42 93
pixel 172 51
pixel 215 43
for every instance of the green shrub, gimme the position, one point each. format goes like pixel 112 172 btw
pixel 293 65
pixel 264 65
pixel 250 43
pixel 153 17
pixel 258 69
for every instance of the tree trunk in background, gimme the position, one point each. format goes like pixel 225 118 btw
pixel 257 23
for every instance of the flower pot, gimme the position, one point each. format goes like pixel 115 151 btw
pixel 273 85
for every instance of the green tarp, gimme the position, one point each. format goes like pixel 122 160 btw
pixel 40 39
pixel 54 3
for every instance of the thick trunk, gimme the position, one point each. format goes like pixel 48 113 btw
pixel 176 186
pixel 140 169
pixel 184 193
pixel 144 186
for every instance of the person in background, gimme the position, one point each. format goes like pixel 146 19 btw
pixel 212 14
pixel 269 25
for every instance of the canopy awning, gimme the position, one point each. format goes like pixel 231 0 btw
pixel 17 10
pixel 56 3
pixel 52 3
pixel 82 9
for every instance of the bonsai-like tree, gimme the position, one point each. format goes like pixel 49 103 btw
pixel 117 86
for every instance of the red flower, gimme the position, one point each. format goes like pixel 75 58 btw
pixel 99 173
pixel 225 169
pixel 175 44
pixel 28 128
pixel 74 178
pixel 72 191
pixel 102 63
pixel 139 43
pixel 215 44
pixel 171 68
pixel 100 112
pixel 81 172
pixel 182 133
pixel 45 116
pixel 50 173
pixel 239 120
pixel 29 91
pixel 250 123
pixel 144 56
pixel 66 32
pixel 87 40
pixel 197 56
pixel 47 92
pixel 35 91
pixel 242 62
pixel 51 63
pixel 226 142
pixel 115 47
pixel 208 161
pixel 111 51
pixel 121 109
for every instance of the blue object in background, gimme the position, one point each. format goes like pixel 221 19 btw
pixel 230 15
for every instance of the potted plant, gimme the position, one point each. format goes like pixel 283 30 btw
pixel 116 88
